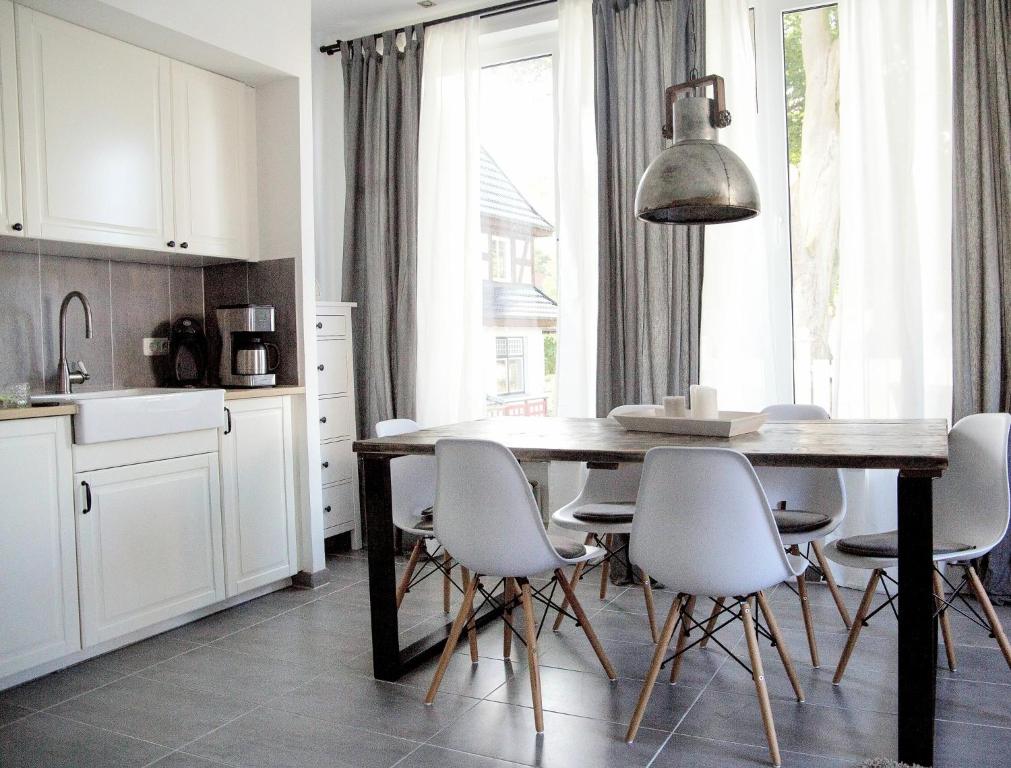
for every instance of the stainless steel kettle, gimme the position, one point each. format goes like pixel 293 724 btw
pixel 252 357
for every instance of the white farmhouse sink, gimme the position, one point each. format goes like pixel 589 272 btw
pixel 122 414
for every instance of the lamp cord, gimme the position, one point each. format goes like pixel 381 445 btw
pixel 693 70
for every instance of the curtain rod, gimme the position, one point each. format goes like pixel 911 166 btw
pixel 484 13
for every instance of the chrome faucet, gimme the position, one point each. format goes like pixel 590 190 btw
pixel 80 374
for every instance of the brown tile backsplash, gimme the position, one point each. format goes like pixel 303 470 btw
pixel 129 301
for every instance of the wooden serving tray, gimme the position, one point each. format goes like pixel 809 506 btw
pixel 730 423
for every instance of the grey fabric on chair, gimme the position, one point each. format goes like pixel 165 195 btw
pixel 799 520
pixel 605 513
pixel 981 227
pixel 650 276
pixel 887 545
pixel 382 105
pixel 566 548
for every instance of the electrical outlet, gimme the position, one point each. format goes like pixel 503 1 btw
pixel 156 347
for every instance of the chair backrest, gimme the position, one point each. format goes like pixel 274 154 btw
pixel 703 525
pixel 613 486
pixel 809 489
pixel 485 512
pixel 972 498
pixel 411 477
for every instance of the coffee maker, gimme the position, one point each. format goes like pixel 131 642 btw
pixel 245 356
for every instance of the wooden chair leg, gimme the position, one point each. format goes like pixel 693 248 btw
pixel 412 563
pixel 577 574
pixel 584 622
pixel 758 673
pixel 507 613
pixel 654 669
pixel 949 644
pixel 447 562
pixel 840 604
pixel 989 612
pixel 805 607
pixel 647 593
pixel 777 638
pixel 605 567
pixel 713 618
pixel 535 673
pixel 686 618
pixel 451 641
pixel 858 623
pixel 471 626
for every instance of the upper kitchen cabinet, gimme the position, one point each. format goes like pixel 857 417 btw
pixel 11 213
pixel 213 121
pixel 96 117
pixel 124 147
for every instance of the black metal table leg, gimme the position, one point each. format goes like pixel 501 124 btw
pixel 917 621
pixel 377 506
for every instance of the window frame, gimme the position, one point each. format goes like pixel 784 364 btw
pixel 508 358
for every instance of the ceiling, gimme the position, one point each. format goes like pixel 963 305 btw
pixel 347 19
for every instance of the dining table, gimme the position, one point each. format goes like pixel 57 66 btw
pixel 917 449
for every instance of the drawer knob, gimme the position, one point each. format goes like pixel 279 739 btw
pixel 328 509
pixel 322 419
pixel 171 243
pixel 184 245
pixel 17 227
pixel 319 367
pixel 319 326
pixel 326 464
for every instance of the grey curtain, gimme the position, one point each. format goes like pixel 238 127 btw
pixel 382 104
pixel 981 226
pixel 650 276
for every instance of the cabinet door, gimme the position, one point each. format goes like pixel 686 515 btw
pixel 38 561
pixel 257 470
pixel 149 548
pixel 11 213
pixel 212 126
pixel 97 136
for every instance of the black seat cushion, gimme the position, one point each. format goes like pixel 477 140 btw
pixel 567 549
pixel 887 545
pixel 799 520
pixel 604 513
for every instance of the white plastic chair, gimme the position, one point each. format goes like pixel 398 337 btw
pixel 703 526
pixel 606 493
pixel 486 515
pixel 971 514
pixel 412 479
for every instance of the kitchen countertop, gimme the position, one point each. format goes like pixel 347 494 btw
pixel 251 392
pixel 38 411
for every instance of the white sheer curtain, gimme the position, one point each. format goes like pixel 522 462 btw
pixel 745 335
pixel 893 356
pixel 576 170
pixel 450 368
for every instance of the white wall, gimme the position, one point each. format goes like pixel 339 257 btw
pixel 328 126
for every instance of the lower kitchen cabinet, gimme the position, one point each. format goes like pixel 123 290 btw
pixel 38 594
pixel 149 543
pixel 258 493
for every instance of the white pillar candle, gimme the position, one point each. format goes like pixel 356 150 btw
pixel 675 406
pixel 704 402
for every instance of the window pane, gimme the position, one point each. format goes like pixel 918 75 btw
pixel 501 378
pixel 516 374
pixel 811 79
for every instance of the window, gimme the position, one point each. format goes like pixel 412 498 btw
pixel 498 258
pixel 509 365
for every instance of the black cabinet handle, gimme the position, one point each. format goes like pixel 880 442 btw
pixel 318 325
pixel 327 509
pixel 326 464
pixel 319 367
pixel 228 420
pixel 322 419
pixel 17 226
pixel 171 243
pixel 87 497
pixel 184 245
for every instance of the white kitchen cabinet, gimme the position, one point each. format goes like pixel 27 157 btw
pixel 258 493
pixel 212 127
pixel 38 594
pixel 149 543
pixel 96 124
pixel 11 212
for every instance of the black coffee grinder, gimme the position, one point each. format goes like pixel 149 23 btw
pixel 188 353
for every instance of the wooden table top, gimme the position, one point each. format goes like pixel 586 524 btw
pixel 917 446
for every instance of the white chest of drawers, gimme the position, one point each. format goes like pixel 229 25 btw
pixel 335 368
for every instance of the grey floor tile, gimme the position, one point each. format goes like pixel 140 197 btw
pixel 427 756
pixel 11 712
pixel 184 760
pixel 614 625
pixel 977 703
pixel 144 654
pixel 349 618
pixel 223 623
pixel 592 695
pixel 251 678
pixel 153 711
pixel 462 677
pixel 44 741
pixel 269 738
pixel 345 698
pixel 975 662
pixel 808 728
pixel 506 732
pixel 690 752
pixel 60 686
pixel 959 745
pixel 289 639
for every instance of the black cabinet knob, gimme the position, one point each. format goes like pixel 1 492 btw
pixel 328 509
pixel 319 367
pixel 171 243
pixel 184 245
pixel 326 464
pixel 318 325
pixel 17 226
pixel 322 420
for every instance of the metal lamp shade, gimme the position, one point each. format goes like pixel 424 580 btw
pixel 697 180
